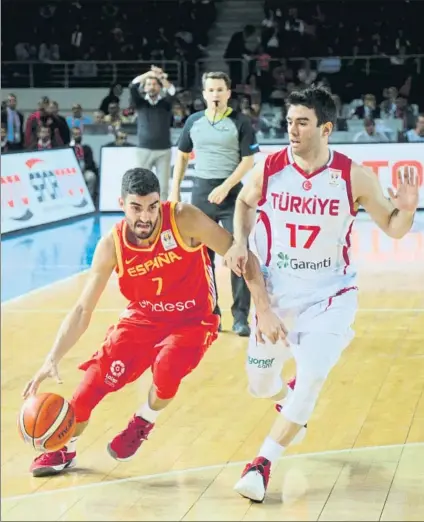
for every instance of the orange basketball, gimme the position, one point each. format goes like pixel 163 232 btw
pixel 46 421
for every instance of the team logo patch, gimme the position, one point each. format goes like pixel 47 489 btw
pixel 117 368
pixel 168 240
pixel 335 177
pixel 307 185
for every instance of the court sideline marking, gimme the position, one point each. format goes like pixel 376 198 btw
pixel 177 472
pixel 110 310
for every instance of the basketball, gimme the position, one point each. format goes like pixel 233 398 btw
pixel 46 421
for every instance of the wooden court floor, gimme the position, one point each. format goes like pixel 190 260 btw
pixel 362 459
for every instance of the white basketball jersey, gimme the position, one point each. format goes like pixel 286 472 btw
pixel 303 232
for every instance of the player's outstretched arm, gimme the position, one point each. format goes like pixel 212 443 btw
pixel 196 225
pixel 78 319
pixel 394 215
pixel 244 220
pixel 193 223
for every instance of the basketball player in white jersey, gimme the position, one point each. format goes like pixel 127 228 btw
pixel 307 196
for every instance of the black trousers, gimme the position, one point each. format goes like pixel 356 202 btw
pixel 223 213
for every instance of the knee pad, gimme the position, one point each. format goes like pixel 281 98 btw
pixel 263 388
pixel 301 402
pixel 89 393
pixel 314 362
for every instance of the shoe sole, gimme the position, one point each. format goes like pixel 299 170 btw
pixel 48 471
pixel 249 485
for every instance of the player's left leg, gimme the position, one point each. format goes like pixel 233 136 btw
pixel 317 352
pixel 177 355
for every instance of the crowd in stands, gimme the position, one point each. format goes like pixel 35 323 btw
pixel 270 66
pixel 365 60
pixel 92 32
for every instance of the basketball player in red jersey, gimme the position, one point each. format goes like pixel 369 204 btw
pixel 307 196
pixel 159 252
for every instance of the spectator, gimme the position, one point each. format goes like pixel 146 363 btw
pixel 65 135
pixel 404 112
pixel 369 109
pixel 4 143
pixel 78 119
pixel 113 119
pixel 114 95
pixel 306 75
pixel 152 96
pixel 99 117
pixel 369 134
pixel 84 154
pixel 224 143
pixel 178 116
pixel 14 124
pixel 388 106
pixel 236 51
pixel 416 135
pixel 76 43
pixel 34 122
pixel 45 140
pixel 121 140
pixel 251 89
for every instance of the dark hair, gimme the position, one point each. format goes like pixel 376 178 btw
pixel 249 30
pixel 317 98
pixel 140 182
pixel 219 75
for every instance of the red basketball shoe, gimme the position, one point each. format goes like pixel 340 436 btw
pixel 126 444
pixel 53 463
pixel 254 480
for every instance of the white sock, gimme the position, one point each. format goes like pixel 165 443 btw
pixel 271 450
pixel 72 445
pixel 147 413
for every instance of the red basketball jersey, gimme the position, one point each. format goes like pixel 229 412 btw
pixel 167 281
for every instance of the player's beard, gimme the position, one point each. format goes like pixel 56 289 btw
pixel 143 230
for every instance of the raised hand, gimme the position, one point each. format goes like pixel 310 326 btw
pixel 406 197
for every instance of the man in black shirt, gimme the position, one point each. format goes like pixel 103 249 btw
pixel 151 95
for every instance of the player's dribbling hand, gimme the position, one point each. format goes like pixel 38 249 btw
pixel 236 258
pixel 49 369
pixel 218 194
pixel 270 326
pixel 407 194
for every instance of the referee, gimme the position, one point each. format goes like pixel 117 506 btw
pixel 224 144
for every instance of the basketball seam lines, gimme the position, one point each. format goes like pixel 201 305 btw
pixel 35 421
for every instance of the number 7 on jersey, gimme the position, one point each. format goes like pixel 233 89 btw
pixel 310 234
pixel 159 282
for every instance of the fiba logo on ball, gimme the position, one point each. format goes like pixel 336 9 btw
pixel 117 368
pixel 307 185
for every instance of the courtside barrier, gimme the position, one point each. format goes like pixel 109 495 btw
pixel 41 187
pixel 383 159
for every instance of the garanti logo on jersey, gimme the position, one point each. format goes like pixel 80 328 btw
pixel 285 261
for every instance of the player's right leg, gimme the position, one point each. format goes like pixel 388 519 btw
pixel 107 371
pixel 323 331
pixel 177 354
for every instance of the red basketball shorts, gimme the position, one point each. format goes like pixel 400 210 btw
pixel 172 351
